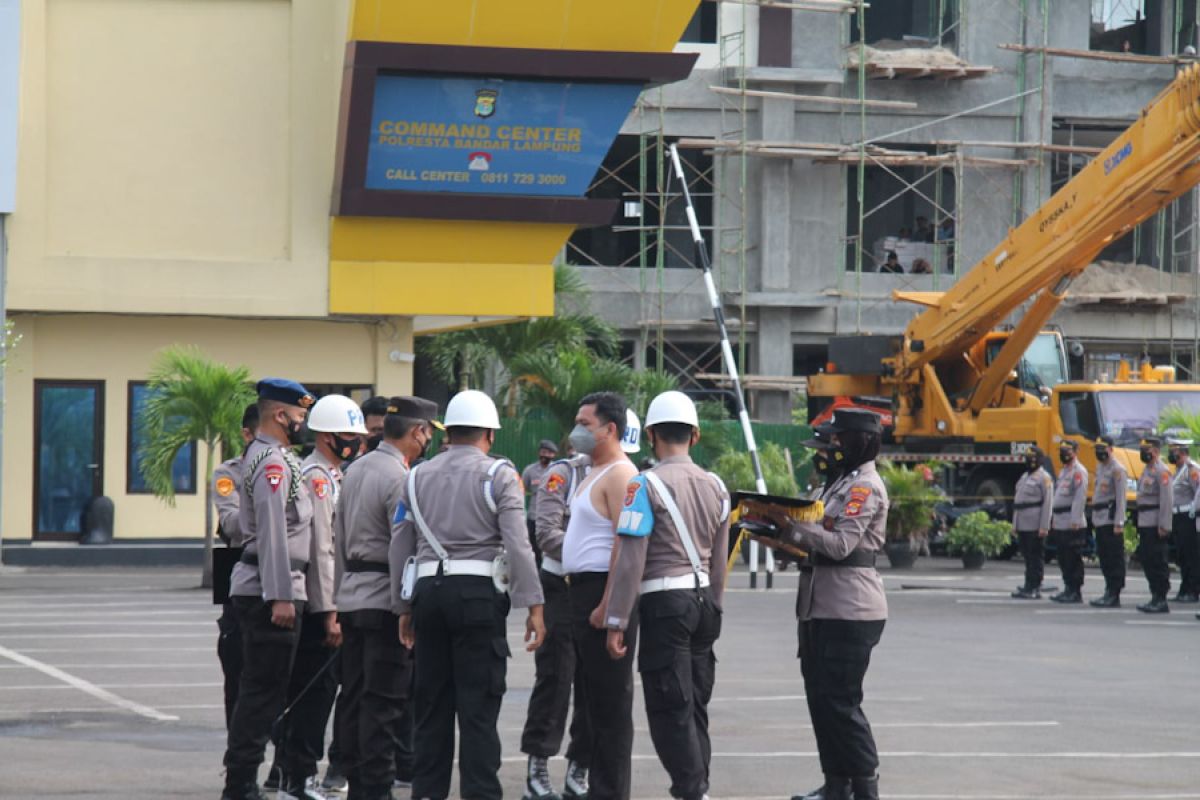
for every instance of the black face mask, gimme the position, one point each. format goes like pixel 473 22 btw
pixel 1066 456
pixel 1033 464
pixel 297 432
pixel 373 442
pixel 1172 458
pixel 343 448
pixel 821 464
pixel 1147 456
pixel 544 461
pixel 1102 455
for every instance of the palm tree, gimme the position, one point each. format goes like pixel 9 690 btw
pixel 191 398
pixel 1174 416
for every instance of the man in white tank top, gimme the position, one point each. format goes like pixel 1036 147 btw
pixel 590 549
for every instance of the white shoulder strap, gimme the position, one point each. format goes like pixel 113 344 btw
pixel 725 502
pixel 685 535
pixel 419 520
pixel 489 496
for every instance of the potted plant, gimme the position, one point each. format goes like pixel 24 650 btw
pixel 976 537
pixel 910 514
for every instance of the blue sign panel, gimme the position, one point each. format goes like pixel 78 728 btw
pixel 492 136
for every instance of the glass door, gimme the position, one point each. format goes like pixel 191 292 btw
pixel 68 455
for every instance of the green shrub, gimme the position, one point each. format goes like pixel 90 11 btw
pixel 978 533
pixel 912 501
pixel 735 469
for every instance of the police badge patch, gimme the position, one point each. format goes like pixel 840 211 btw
pixel 485 102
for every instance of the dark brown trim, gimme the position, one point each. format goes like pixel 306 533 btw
pixel 774 37
pixel 561 65
pixel 354 133
pixel 129 427
pixel 579 211
pixel 97 451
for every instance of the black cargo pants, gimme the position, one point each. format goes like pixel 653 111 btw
pixel 1033 550
pixel 1187 552
pixel 1110 547
pixel 311 693
pixel 229 653
pixel 1152 550
pixel 1070 544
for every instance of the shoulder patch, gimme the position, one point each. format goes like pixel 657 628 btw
pixel 858 496
pixel 1078 478
pixel 224 486
pixel 320 487
pixel 274 475
pixel 554 483
pixel 637 517
pixel 401 513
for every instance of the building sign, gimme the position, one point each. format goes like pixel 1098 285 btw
pixel 492 136
pixel 10 53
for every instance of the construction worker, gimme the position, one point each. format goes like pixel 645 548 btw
pixel 589 551
pixel 226 479
pixel 1154 525
pixel 1185 495
pixel 1108 520
pixel 674 533
pixel 1033 507
pixel 844 610
pixel 268 585
pixel 337 422
pixel 1069 521
pixel 376 667
pixel 460 556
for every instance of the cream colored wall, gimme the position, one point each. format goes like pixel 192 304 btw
pixel 176 156
pixel 118 349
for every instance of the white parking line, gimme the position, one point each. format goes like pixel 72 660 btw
pixel 35 688
pixel 932 725
pixel 104 614
pixel 1164 623
pixel 192 665
pixel 44 650
pixel 87 687
pixel 105 621
pixel 143 635
pixel 774 697
pixel 943 755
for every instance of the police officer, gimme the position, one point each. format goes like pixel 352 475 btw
pixel 844 609
pixel 674 533
pixel 1108 519
pixel 460 542
pixel 376 666
pixel 1185 495
pixel 337 422
pixel 225 480
pixel 268 585
pixel 1154 525
pixel 532 478
pixel 1069 521
pixel 1033 506
pixel 556 669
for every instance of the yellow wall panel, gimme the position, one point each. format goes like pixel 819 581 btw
pixel 375 239
pixel 468 290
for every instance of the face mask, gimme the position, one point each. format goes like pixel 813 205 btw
pixel 374 441
pixel 344 448
pixel 1066 456
pixel 821 463
pixel 583 440
pixel 1172 458
pixel 1102 456
pixel 1032 464
pixel 1146 456
pixel 544 461
pixel 297 432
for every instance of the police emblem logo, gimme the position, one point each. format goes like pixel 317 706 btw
pixel 320 488
pixel 306 401
pixel 485 102
pixel 631 492
pixel 224 486
pixel 274 473
pixel 554 483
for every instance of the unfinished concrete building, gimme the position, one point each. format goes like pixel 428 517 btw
pixel 820 135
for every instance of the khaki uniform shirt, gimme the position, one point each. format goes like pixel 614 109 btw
pixel 532 478
pixel 322 479
pixel 226 480
pixel 553 502
pixel 856 508
pixel 450 489
pixel 276 517
pixel 1070 497
pixel 362 527
pixel 1154 495
pixel 1184 488
pixel 1035 487
pixel 651 545
pixel 1108 502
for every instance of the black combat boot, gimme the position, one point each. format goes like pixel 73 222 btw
pixel 834 789
pixel 1068 597
pixel 1157 605
pixel 242 791
pixel 1110 600
pixel 1023 593
pixel 866 788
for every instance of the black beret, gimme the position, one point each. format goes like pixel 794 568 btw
pixel 284 391
pixel 855 419
pixel 546 444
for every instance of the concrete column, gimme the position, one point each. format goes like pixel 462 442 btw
pixel 394 356
pixel 773 351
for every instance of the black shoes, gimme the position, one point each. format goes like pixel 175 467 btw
pixel 1187 597
pixel 335 779
pixel 834 789
pixel 865 788
pixel 1068 596
pixel 243 791
pixel 1026 594
pixel 1157 605
pixel 1109 600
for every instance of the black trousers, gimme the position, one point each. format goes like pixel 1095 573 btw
pixel 462 661
pixel 1152 550
pixel 678 668
pixel 311 693
pixel 1187 552
pixel 229 653
pixel 1070 557
pixel 557 671
pixel 1033 550
pixel 406 730
pixel 268 652
pixel 1110 547
pixel 607 690
pixel 376 669
pixel 834 661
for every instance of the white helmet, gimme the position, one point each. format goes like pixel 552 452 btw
pixel 471 409
pixel 631 442
pixel 672 407
pixel 336 413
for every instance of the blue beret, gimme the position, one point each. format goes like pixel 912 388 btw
pixel 282 390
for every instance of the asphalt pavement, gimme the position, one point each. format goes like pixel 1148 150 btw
pixel 110 688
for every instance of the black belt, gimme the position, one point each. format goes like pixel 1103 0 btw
pixel 295 564
pixel 1062 509
pixel 1140 507
pixel 362 565
pixel 1020 506
pixel 580 578
pixel 857 558
pixel 1111 505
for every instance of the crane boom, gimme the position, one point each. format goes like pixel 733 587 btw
pixel 1147 167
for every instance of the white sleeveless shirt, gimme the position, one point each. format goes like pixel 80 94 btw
pixel 588 542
